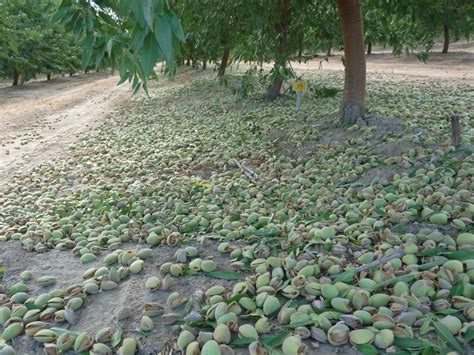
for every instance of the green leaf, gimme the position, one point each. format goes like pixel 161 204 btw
pixel 427 266
pixel 241 342
pixel 87 53
pixel 469 335
pixel 347 276
pixel 457 289
pixel 460 255
pixel 163 36
pixel 367 349
pixel 226 275
pixel 110 42
pixel 430 252
pixel 428 350
pixel 149 54
pixel 148 12
pixel 447 312
pixel 189 272
pixel 411 343
pixel 137 9
pixel 176 26
pixel 116 337
pixel 276 340
pixel 444 333
pixel 403 278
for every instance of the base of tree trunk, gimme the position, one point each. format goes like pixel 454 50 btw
pixel 273 90
pixel 48 77
pixel 351 113
pixel 446 39
pixel 224 61
pixel 369 48
pixel 16 77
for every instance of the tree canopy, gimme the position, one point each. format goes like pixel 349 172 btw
pixel 31 42
pixel 133 36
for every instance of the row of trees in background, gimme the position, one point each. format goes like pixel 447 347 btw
pixel 133 35
pixel 32 42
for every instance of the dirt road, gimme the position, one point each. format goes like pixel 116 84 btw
pixel 41 119
pixel 457 65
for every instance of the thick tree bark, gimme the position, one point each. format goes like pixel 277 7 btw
pixel 282 28
pixel 48 76
pixel 369 48
pixel 353 102
pixel 224 61
pixel 446 39
pixel 16 76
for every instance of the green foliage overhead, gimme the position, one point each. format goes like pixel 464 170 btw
pixel 131 36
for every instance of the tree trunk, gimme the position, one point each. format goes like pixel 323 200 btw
pixel 48 76
pixel 224 61
pixel 188 62
pixel 353 102
pixel 446 39
pixel 369 48
pixel 204 64
pixel 282 29
pixel 16 76
pixel 456 131
pixel 328 53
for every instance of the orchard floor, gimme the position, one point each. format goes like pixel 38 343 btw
pixel 111 134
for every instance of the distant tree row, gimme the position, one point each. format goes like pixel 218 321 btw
pixel 133 35
pixel 33 43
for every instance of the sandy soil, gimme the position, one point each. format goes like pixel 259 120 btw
pixel 455 65
pixel 39 120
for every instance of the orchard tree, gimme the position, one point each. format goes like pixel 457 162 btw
pixel 353 104
pixel 210 29
pixel 454 17
pixel 31 42
pixel 133 36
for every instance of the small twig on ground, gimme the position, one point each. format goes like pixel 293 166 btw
pixel 247 171
pixel 381 261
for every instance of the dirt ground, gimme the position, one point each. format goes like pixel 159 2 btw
pixel 458 64
pixel 39 120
